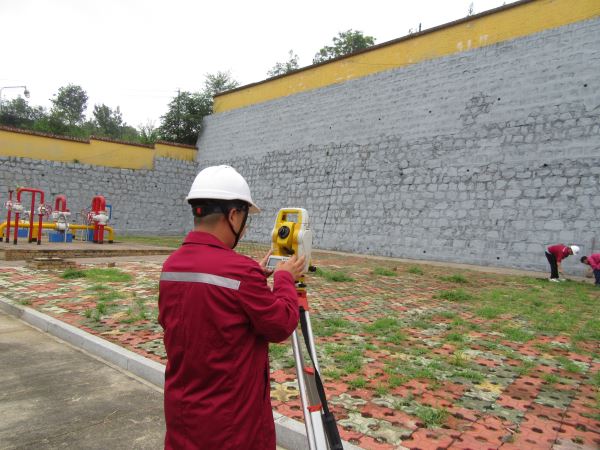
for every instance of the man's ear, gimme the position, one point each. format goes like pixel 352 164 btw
pixel 231 215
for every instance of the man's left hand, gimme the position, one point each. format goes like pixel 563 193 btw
pixel 263 264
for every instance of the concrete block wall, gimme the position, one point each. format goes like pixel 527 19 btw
pixel 481 157
pixel 143 201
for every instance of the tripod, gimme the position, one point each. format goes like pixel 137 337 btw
pixel 321 428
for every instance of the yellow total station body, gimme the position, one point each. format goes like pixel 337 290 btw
pixel 291 236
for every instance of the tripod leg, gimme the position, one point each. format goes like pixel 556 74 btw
pixel 313 348
pixel 303 391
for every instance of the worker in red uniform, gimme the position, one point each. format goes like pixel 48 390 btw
pixel 555 254
pixel 594 262
pixel 218 316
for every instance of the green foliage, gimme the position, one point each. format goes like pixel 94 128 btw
pixel 455 279
pixel 183 120
pixel 459 359
pixel 415 270
pixel 216 83
pixel 381 390
pixel 344 43
pixel 333 374
pixel 17 113
pixel 108 122
pixel 357 383
pixel 517 334
pixel 277 351
pixel 98 287
pixel 595 379
pixel 383 271
pixel 330 326
pixel 470 374
pixel 550 378
pixel 589 331
pixel 455 337
pixel 286 67
pixel 69 105
pixel 148 133
pixel 333 275
pixel 568 365
pixel 350 361
pixel 422 322
pixel 383 326
pixel 101 308
pixel 70 274
pixel 525 367
pixel 432 417
pixel 107 275
pixel 489 312
pixel 457 295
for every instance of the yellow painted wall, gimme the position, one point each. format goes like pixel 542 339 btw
pixel 164 150
pixel 95 152
pixel 513 21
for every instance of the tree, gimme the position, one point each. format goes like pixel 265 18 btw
pixel 282 68
pixel 69 105
pixel 218 82
pixel 148 134
pixel 17 113
pixel 183 121
pixel 108 122
pixel 344 43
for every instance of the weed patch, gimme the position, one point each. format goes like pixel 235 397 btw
pixel 431 417
pixel 415 270
pixel 384 272
pixel 457 295
pixel 460 279
pixel 333 275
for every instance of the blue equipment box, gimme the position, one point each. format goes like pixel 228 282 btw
pixel 57 236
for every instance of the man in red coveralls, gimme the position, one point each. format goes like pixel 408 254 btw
pixel 219 315
pixel 594 262
pixel 555 254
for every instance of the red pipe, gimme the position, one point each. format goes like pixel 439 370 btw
pixel 60 203
pixel 10 193
pixel 98 206
pixel 31 214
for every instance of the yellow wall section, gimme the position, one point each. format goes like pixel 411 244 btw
pixel 175 152
pixel 515 21
pixel 95 152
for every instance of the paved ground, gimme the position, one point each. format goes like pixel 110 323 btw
pixel 414 355
pixel 54 396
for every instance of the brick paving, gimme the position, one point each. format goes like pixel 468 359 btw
pixel 404 366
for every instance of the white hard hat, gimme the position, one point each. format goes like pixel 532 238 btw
pixel 221 183
pixel 575 249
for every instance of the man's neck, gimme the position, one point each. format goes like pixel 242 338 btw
pixel 219 233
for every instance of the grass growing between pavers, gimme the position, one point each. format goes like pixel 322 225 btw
pixel 408 353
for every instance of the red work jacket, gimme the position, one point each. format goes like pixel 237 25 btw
pixel 219 315
pixel 594 261
pixel 560 251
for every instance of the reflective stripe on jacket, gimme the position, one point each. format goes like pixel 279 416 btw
pixel 219 315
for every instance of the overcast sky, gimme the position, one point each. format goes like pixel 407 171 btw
pixel 136 53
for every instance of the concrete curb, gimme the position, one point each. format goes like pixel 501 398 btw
pixel 291 434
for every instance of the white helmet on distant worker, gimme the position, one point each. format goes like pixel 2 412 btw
pixel 575 249
pixel 221 183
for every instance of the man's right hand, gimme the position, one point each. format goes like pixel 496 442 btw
pixel 294 266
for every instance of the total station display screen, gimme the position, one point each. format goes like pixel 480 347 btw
pixel 291 217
